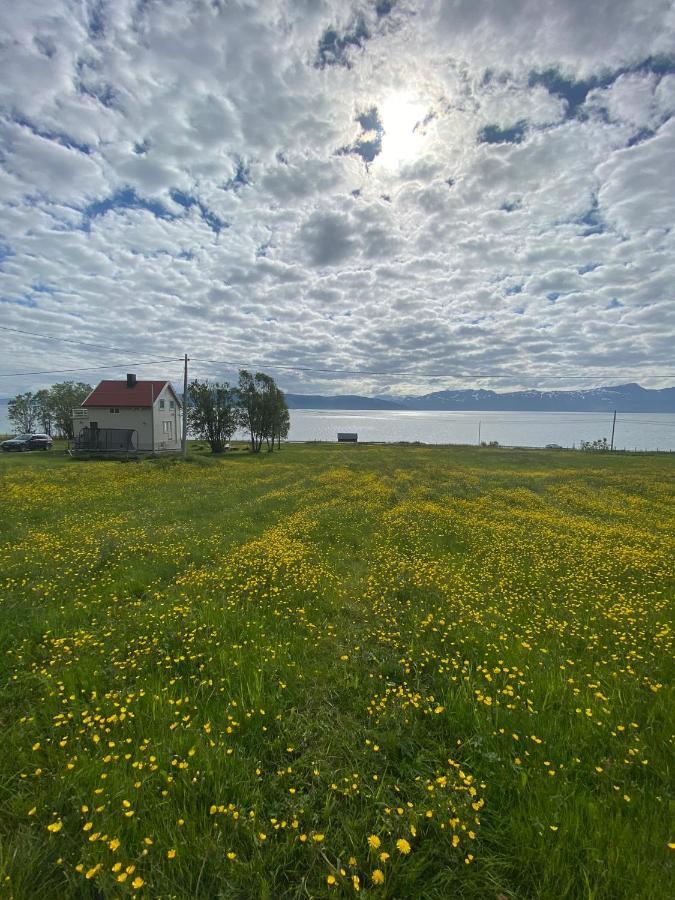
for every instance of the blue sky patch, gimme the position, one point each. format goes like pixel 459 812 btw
pixel 493 134
pixel 187 201
pixel 333 47
pixel 127 198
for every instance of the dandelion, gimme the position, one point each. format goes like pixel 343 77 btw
pixel 374 841
pixel 403 846
pixel 378 876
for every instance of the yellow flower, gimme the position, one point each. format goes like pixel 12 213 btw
pixel 137 882
pixel 384 856
pixel 356 882
pixel 231 855
pixel 114 844
pixel 318 838
pixel 262 836
pixel 378 876
pixel 55 826
pixel 403 846
pixel 374 841
pixel 331 879
pixel 92 872
pixel 122 877
pixel 170 854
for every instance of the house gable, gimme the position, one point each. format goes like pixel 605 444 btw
pixel 118 394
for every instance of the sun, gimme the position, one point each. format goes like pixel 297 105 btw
pixel 402 117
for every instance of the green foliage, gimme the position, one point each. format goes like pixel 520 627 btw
pixel 50 408
pixel 63 398
pixel 211 411
pixel 262 410
pixel 22 411
pixel 222 677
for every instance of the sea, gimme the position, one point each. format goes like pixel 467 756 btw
pixel 634 431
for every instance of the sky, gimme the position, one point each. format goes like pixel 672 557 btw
pixel 464 188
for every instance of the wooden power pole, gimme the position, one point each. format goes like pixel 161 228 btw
pixel 611 444
pixel 185 418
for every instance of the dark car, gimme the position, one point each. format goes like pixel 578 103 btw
pixel 28 442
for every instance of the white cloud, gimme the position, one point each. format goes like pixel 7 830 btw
pixel 245 214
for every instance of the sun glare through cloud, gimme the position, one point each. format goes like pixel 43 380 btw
pixel 403 136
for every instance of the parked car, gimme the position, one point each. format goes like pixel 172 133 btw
pixel 553 447
pixel 28 442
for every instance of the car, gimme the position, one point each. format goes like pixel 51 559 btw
pixel 553 447
pixel 28 441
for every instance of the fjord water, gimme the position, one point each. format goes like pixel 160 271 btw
pixel 634 431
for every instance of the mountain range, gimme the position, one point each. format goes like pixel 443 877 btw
pixel 622 398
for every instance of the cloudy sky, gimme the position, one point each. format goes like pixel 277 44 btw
pixel 425 186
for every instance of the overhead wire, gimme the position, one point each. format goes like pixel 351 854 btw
pixel 142 362
pixel 310 369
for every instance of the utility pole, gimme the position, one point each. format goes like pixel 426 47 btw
pixel 479 432
pixel 185 390
pixel 611 445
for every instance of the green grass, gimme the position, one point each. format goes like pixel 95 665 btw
pixel 466 649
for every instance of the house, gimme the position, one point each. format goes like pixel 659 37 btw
pixel 130 415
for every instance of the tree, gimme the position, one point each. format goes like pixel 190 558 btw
pixel 52 408
pixel 283 418
pixel 262 409
pixel 211 412
pixel 22 411
pixel 43 405
pixel 64 397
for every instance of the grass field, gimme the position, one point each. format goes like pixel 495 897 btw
pixel 397 671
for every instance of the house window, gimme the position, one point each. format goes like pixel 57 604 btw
pixel 161 404
pixel 114 409
pixel 172 405
pixel 167 427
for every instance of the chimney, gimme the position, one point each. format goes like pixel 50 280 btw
pixel 131 380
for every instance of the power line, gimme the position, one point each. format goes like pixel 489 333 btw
pixel 315 369
pixel 48 337
pixel 139 362
pixel 465 375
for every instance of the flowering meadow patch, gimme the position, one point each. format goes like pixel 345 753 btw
pixel 387 671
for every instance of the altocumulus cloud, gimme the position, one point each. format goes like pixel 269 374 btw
pixel 404 185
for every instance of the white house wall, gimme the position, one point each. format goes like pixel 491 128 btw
pixel 141 420
pixel 164 440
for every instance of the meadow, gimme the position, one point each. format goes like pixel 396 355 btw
pixel 396 672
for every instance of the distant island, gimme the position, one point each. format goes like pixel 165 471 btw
pixel 622 397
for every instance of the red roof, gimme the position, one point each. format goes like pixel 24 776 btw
pixel 116 393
